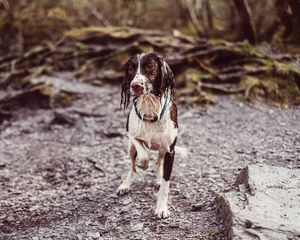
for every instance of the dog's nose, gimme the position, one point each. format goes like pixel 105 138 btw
pixel 137 87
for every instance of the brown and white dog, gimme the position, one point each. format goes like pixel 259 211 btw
pixel 152 122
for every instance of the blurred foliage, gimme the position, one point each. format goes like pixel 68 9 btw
pixel 93 38
pixel 24 23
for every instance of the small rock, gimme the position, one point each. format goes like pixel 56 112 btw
pixel 248 223
pixel 2 165
pixel 33 208
pixel 113 134
pixel 62 118
pixel 174 225
pixel 196 208
pixel 127 201
pixel 137 227
pixel 94 235
pixel 88 222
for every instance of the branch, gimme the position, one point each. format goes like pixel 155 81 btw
pixel 100 17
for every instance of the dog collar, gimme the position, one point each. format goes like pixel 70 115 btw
pixel 155 118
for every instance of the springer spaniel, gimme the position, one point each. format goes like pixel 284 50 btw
pixel 152 122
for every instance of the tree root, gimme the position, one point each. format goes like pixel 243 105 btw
pixel 221 66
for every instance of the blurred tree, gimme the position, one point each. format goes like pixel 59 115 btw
pixel 282 7
pixel 295 8
pixel 193 8
pixel 24 23
pixel 208 21
pixel 246 26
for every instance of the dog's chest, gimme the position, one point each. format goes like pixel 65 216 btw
pixel 153 134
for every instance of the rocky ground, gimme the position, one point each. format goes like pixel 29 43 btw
pixel 60 168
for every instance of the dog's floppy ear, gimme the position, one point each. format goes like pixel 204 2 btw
pixel 125 92
pixel 167 77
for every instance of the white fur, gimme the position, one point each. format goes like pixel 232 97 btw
pixel 125 186
pixel 159 168
pixel 162 200
pixel 139 78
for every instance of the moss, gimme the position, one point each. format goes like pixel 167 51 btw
pixel 286 68
pixel 190 77
pixel 248 48
pixel 81 47
pixel 218 42
pixel 118 60
pixel 287 86
pixel 248 81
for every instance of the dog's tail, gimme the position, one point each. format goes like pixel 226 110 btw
pixel 181 151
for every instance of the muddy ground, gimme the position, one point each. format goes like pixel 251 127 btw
pixel 60 168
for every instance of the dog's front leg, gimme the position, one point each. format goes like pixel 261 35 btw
pixel 159 167
pixel 163 193
pixel 142 155
pixel 125 186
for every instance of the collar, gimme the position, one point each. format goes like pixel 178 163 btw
pixel 155 118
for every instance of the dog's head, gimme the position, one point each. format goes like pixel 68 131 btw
pixel 146 74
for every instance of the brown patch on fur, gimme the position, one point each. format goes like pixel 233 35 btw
pixel 173 113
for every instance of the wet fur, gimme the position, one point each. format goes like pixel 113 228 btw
pixel 149 105
pixel 158 83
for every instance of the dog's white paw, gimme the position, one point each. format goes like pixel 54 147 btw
pixel 123 188
pixel 143 164
pixel 162 212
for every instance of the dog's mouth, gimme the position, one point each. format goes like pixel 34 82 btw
pixel 136 94
pixel 150 118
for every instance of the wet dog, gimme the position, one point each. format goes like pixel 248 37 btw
pixel 152 121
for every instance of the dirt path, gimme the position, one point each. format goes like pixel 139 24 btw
pixel 59 171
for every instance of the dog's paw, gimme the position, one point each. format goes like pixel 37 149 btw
pixel 143 164
pixel 162 212
pixel 123 189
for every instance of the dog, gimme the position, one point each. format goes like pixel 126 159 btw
pixel 152 121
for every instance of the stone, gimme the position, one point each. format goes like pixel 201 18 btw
pixel 137 227
pixel 94 235
pixel 266 203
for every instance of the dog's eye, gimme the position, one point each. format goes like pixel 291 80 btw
pixel 150 68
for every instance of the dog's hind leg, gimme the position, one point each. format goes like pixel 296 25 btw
pixel 125 186
pixel 163 193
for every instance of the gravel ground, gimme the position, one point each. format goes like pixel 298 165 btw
pixel 59 169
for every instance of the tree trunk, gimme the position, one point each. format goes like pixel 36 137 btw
pixel 207 18
pixel 295 7
pixel 284 16
pixel 246 23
